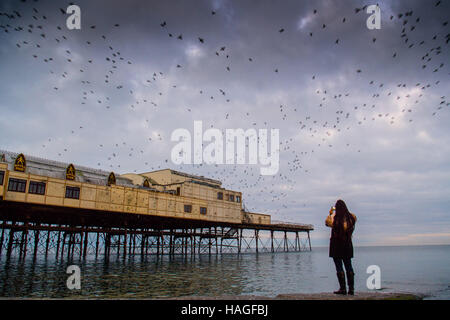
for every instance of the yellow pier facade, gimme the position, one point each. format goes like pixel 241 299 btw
pixel 166 193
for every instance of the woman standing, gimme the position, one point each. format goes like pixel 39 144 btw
pixel 342 224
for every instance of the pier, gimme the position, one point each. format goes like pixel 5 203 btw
pixel 54 209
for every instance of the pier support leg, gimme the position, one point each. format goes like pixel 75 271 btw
pixel 125 244
pixel 21 244
pixel 10 241
pixel 96 244
pixel 286 244
pixel 2 237
pixel 69 245
pixel 118 245
pixel 192 237
pixel 256 239
pixel 239 240
pixel 200 241
pixel 309 241
pixel 36 243
pixel 172 243
pixel 209 242
pixel 86 243
pixel 107 245
pixel 62 244
pixel 183 242
pixel 24 242
pixel 146 244
pixel 158 242
pixel 271 241
pixel 215 235
pixel 47 243
pixel 57 244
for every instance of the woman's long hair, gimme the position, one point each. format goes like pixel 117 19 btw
pixel 343 216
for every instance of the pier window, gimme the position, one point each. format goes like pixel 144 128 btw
pixel 17 185
pixel 238 199
pixel 73 192
pixel 203 210
pixel 36 187
pixel 2 176
pixel 231 197
pixel 219 195
pixel 188 208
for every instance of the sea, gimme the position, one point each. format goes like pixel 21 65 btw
pixel 414 269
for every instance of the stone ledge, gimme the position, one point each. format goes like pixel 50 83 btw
pixel 315 296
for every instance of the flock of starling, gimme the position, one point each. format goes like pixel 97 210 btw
pixel 31 31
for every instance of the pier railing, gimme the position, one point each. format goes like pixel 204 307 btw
pixel 292 224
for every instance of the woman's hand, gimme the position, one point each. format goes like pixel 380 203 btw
pixel 329 220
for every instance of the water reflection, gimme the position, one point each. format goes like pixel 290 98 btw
pixel 265 274
pixel 148 277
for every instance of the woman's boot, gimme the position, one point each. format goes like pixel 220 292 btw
pixel 341 279
pixel 351 283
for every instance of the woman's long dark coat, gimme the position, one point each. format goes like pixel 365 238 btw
pixel 340 248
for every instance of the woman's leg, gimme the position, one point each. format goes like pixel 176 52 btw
pixel 341 276
pixel 348 265
pixel 338 264
pixel 350 275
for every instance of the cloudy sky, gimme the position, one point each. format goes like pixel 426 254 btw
pixel 363 114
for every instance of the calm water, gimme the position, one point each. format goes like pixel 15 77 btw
pixel 403 269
